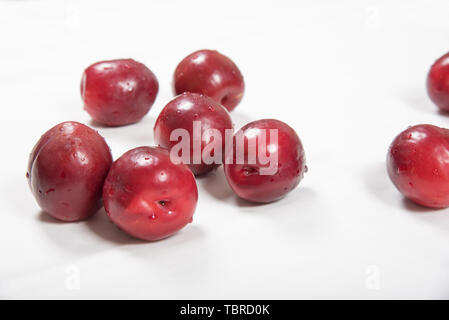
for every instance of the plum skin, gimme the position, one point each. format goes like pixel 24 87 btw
pixel 210 73
pixel 181 112
pixel 418 165
pixel 118 92
pixel 66 171
pixel 148 196
pixel 438 83
pixel 245 179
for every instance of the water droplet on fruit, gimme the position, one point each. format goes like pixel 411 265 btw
pixel 210 108
pixel 250 171
pixel 436 172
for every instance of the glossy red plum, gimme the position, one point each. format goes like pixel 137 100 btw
pixel 418 165
pixel 180 113
pixel 148 196
pixel 66 171
pixel 438 83
pixel 210 73
pixel 247 180
pixel 118 92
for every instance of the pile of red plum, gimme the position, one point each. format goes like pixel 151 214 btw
pixel 144 192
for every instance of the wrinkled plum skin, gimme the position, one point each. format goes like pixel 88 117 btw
pixel 181 112
pixel 148 196
pixel 118 92
pixel 418 165
pixel 438 83
pixel 210 73
pixel 246 180
pixel 66 171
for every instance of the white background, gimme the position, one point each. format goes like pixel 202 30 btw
pixel 347 75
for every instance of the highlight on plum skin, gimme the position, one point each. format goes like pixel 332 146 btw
pixel 148 196
pixel 210 73
pixel 66 171
pixel 118 92
pixel 418 165
pixel 247 180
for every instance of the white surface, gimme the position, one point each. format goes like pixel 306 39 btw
pixel 347 75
